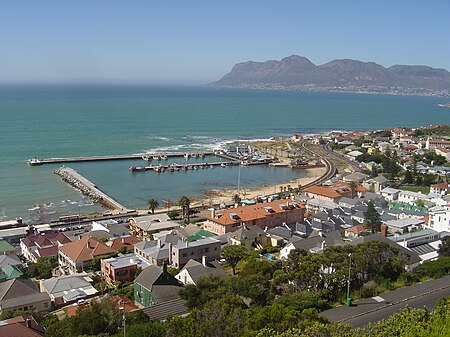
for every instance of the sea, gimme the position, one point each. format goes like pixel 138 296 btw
pixel 50 120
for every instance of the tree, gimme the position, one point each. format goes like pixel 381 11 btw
pixel 353 187
pixel 374 173
pixel 233 254
pixel 372 217
pixel 408 179
pixel 185 203
pixel 43 267
pixel 153 204
pixel 444 247
pixel 236 199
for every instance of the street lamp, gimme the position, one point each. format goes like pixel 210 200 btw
pixel 349 300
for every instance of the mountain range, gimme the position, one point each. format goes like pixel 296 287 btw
pixel 297 72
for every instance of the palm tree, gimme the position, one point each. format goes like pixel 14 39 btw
pixel 237 199
pixel 184 203
pixel 152 204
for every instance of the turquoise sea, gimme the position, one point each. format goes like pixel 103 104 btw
pixel 74 120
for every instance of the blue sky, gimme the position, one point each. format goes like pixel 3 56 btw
pixel 163 41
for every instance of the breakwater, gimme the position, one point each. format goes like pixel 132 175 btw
pixel 88 188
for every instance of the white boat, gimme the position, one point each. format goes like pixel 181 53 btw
pixel 164 157
pixel 186 156
pixel 146 158
pixel 34 162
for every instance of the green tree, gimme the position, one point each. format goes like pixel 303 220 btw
pixel 185 203
pixel 236 199
pixel 233 254
pixel 444 247
pixel 43 267
pixel 372 217
pixel 408 178
pixel 153 204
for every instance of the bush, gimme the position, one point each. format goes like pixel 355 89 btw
pixel 408 278
pixel 434 269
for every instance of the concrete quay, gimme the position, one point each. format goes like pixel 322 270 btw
pixel 117 157
pixel 89 189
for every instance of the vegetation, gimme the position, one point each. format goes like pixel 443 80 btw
pixel 153 204
pixel 43 267
pixel 444 247
pixel 185 204
pixel 233 254
pixel 372 217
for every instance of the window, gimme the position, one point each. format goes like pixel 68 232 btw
pixel 184 254
pixel 45 304
pixel 206 250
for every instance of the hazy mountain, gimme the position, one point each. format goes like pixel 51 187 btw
pixel 299 72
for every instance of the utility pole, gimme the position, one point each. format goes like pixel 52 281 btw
pixel 349 300
pixel 123 321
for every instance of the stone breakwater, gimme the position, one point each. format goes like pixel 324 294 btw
pixel 88 188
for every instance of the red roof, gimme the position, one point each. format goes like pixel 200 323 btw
pixel 85 249
pixel 252 212
pixel 128 241
pixel 325 191
pixel 46 240
pixel 441 186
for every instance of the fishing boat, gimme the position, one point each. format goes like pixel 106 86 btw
pixel 186 156
pixel 223 165
pixel 163 157
pixel 137 168
pixel 34 162
pixel 156 158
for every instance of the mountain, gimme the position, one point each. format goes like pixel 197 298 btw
pixel 298 72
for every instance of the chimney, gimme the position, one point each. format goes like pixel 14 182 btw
pixel 204 260
pixel 322 246
pixel 123 240
pixel 28 323
pixel 213 212
pixel 87 244
pixel 79 237
pixel 158 242
pixel 165 268
pixel 383 230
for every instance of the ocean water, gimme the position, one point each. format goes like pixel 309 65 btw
pixel 71 120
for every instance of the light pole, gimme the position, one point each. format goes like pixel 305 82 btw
pixel 349 300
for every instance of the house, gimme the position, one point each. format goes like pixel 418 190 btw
pixel 74 257
pixel 182 252
pixel 22 294
pixel 144 226
pixel 21 326
pixel 356 231
pixel 121 269
pixel 324 194
pixel 376 184
pixel 313 244
pixel 194 270
pixel 155 285
pixel 125 241
pixel 439 218
pixel 11 259
pixel 389 193
pixel 157 252
pixel 269 214
pixel 281 235
pixel 9 272
pixel 251 237
pixel 314 205
pixel 6 248
pixel 107 229
pixel 440 188
pixel 431 143
pixel 68 288
pixel 43 245
pixel 409 197
pixel 402 226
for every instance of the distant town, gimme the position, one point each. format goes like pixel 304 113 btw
pixel 375 218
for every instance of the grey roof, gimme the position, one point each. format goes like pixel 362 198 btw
pixel 198 243
pixel 356 176
pixel 197 270
pixel 403 223
pixel 19 292
pixel 248 233
pixel 349 201
pixel 321 216
pixel 331 239
pixel 154 275
pixel 160 311
pixel 69 287
pixel 423 249
pixel 11 259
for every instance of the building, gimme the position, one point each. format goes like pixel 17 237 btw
pixel 182 252
pixel 431 143
pixel 125 241
pixel 194 271
pixel 390 194
pixel 263 215
pixel 121 269
pixel 22 294
pixel 74 257
pixel 21 326
pixel 402 226
pixel 155 285
pixel 68 288
pixel 143 227
pixel 442 151
pixel 43 245
pixel 441 188
pixel 376 184
pixel 439 218
pixel 6 248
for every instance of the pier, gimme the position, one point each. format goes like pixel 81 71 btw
pixel 159 155
pixel 88 188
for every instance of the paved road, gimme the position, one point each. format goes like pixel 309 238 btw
pixel 425 294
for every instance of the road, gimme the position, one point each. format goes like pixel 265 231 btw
pixel 425 294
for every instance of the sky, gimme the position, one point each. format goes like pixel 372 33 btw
pixel 199 41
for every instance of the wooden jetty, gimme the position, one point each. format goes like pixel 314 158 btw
pixel 36 161
pixel 88 188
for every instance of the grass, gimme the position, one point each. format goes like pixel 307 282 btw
pixel 423 189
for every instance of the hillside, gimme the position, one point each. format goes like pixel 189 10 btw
pixel 296 72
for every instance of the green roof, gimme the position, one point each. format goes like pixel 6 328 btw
pixel 5 246
pixel 201 234
pixel 10 272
